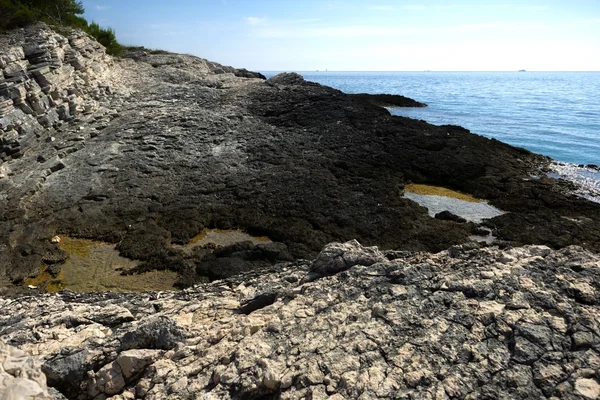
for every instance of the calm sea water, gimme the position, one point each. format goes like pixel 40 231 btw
pixel 552 113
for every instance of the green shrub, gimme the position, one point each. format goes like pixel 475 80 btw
pixel 15 14
pixel 56 11
pixel 106 37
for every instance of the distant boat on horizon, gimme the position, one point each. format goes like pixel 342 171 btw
pixel 522 70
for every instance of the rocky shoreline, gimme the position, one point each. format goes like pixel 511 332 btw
pixel 148 151
pixel 176 144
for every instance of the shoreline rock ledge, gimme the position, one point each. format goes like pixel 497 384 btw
pixel 358 322
pixel 157 147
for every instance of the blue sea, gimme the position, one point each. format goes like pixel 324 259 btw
pixel 552 113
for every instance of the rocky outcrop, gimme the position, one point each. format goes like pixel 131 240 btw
pixel 388 100
pixel 182 145
pixel 358 322
pixel 47 79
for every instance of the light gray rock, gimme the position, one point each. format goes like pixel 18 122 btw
pixel 413 327
pixel 20 376
pixel 39 71
pixel 337 257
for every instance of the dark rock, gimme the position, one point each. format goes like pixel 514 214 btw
pixel 55 256
pixel 526 352
pixel 287 78
pixel 67 372
pixel 159 333
pixel 244 73
pixel 540 335
pixel 275 252
pixel 257 302
pixel 387 100
pixel 448 216
pixel 226 267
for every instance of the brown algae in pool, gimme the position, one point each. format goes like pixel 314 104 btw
pixel 440 191
pixel 95 266
pixel 223 237
pixel 45 280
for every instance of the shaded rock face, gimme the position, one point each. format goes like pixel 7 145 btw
pixel 184 144
pixel 468 323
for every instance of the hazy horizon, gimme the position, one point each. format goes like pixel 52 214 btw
pixel 353 35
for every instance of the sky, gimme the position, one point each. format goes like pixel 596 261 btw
pixel 365 35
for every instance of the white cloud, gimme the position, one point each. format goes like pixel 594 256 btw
pixel 256 21
pixel 102 7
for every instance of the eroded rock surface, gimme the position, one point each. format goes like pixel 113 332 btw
pixel 467 323
pixel 173 144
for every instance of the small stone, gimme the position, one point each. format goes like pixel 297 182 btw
pixel 487 274
pixel 337 257
pixel 413 379
pixel 180 385
pixel 55 239
pixel 583 339
pixel 518 302
pixel 588 388
pixel 132 362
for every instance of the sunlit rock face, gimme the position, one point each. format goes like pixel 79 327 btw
pixel 469 322
pixel 46 80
